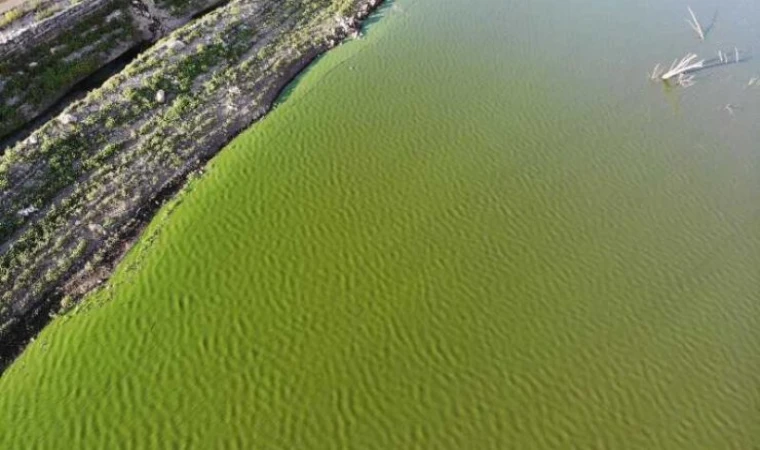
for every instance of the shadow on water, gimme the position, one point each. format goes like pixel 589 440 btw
pixel 288 91
pixel 711 25
pixel 19 334
pixel 672 91
pixel 712 63
pixel 381 12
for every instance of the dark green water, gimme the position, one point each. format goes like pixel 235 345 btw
pixel 481 226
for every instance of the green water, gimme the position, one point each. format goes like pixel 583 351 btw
pixel 480 226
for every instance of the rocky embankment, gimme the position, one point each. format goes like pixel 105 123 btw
pixel 50 45
pixel 74 193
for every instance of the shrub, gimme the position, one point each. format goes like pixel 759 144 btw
pixel 45 13
pixel 67 302
pixel 11 16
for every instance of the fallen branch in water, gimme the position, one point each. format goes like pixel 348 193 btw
pixel 685 65
pixel 695 24
pixel 685 80
pixel 656 72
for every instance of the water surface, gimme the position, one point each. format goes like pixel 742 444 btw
pixel 480 226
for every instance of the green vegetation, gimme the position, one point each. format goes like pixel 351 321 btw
pixel 11 16
pixel 43 14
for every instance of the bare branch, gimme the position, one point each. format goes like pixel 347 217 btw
pixel 656 72
pixel 685 80
pixel 686 64
pixel 695 24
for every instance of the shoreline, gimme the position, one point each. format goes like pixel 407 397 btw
pixel 17 333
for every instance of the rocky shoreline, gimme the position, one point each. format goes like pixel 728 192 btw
pixel 54 44
pixel 78 191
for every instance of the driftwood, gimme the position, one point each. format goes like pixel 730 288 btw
pixel 679 70
pixel 682 71
pixel 685 65
pixel 655 73
pixel 685 80
pixel 694 23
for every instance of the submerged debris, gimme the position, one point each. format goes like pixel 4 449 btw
pixel 684 66
pixel 682 72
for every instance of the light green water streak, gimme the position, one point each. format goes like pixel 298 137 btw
pixel 478 227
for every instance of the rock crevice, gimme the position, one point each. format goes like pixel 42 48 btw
pixel 40 60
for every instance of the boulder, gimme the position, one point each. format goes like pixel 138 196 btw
pixel 176 45
pixel 28 211
pixel 114 15
pixel 67 119
pixel 97 229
